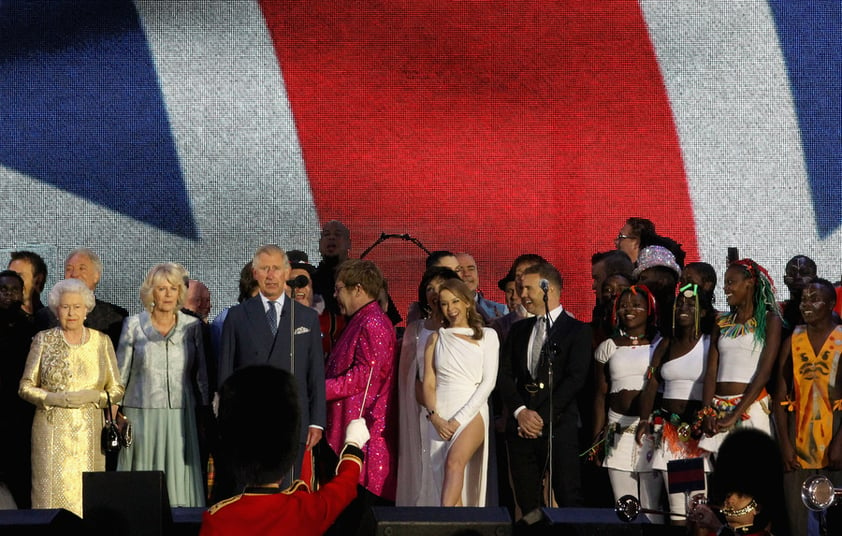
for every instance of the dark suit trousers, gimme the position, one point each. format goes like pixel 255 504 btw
pixel 528 462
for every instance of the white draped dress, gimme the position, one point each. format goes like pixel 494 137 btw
pixel 466 372
pixel 414 479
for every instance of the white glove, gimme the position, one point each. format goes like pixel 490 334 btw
pixel 357 433
pixel 58 400
pixel 85 396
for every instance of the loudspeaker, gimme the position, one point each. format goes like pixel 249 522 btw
pixel 589 522
pixel 39 522
pixel 187 521
pixel 129 503
pixel 435 521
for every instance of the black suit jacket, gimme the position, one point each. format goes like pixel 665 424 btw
pixel 569 342
pixel 247 340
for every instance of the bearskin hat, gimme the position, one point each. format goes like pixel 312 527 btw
pixel 749 462
pixel 259 423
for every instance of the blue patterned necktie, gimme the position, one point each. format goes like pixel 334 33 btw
pixel 272 317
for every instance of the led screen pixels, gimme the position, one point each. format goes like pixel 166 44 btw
pixel 210 128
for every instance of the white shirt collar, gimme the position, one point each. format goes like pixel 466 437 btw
pixel 554 314
pixel 279 301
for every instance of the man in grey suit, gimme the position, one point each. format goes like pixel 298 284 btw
pixel 258 331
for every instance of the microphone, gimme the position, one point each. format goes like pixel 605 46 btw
pixel 545 285
pixel 298 282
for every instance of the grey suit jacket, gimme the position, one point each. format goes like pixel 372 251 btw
pixel 247 340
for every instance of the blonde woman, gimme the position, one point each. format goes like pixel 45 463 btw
pixel 460 371
pixel 162 364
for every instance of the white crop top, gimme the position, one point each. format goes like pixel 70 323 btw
pixel 684 376
pixel 629 364
pixel 738 358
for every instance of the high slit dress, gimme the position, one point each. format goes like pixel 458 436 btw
pixel 466 372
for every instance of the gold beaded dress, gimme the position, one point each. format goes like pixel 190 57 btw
pixel 66 441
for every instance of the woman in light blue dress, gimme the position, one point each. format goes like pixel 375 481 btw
pixel 162 364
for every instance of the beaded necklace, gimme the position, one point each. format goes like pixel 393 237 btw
pixel 729 327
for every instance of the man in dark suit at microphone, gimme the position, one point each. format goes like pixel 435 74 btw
pixel 527 389
pixel 259 331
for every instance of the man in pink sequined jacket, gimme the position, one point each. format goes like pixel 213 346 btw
pixel 360 374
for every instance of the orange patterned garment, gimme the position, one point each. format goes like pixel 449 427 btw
pixel 814 376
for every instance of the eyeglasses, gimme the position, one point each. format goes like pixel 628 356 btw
pixel 621 236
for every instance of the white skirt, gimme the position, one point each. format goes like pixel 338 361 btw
pixel 625 454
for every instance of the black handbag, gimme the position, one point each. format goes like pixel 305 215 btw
pixel 125 434
pixel 114 437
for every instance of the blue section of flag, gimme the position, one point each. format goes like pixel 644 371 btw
pixel 81 109
pixel 811 39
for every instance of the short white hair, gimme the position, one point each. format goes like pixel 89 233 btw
pixel 269 249
pixel 70 286
pixel 90 254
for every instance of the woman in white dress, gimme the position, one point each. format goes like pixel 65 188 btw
pixel 460 370
pixel 414 479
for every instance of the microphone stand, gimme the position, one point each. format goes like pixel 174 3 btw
pixel 292 358
pixel 298 282
pixel 548 353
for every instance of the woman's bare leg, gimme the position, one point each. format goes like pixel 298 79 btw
pixel 463 449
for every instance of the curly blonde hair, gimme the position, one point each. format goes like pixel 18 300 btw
pixel 172 273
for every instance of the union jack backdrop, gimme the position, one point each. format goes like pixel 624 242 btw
pixel 196 130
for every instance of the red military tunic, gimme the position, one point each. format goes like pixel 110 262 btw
pixel 296 510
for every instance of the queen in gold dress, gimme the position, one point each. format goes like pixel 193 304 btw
pixel 67 374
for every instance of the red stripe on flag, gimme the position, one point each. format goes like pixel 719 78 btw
pixel 497 127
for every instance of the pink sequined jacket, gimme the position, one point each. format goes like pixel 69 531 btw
pixel 366 350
